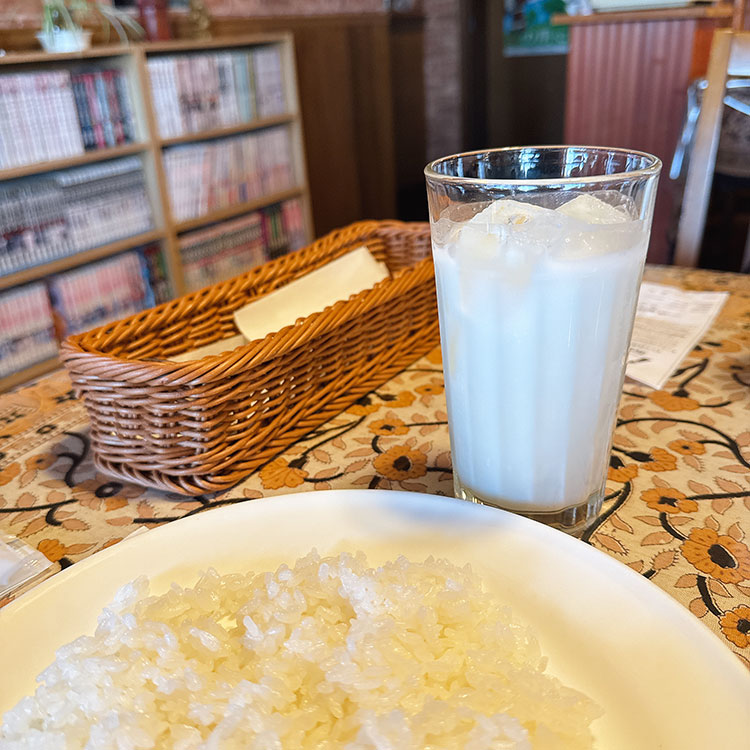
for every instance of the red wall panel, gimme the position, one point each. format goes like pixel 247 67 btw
pixel 626 87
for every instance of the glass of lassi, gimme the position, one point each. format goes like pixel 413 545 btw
pixel 538 257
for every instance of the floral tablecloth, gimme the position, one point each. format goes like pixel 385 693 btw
pixel 678 495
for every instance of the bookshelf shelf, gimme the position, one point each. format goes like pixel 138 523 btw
pixel 229 212
pixel 244 127
pixel 79 259
pixel 36 58
pixel 29 373
pixel 125 93
pixel 89 157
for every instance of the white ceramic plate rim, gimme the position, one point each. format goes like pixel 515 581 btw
pixel 684 683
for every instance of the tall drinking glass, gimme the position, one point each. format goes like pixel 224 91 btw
pixel 538 256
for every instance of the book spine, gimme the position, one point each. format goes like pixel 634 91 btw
pixel 115 115
pixel 168 99
pixel 230 102
pixel 269 81
pixel 33 148
pixel 124 105
pixel 96 115
pixel 84 114
pixel 5 126
pixel 154 66
pixel 102 104
pixel 68 113
pixel 15 122
pixel 187 105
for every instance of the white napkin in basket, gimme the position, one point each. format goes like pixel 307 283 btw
pixel 338 280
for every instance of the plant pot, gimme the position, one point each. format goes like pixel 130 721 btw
pixel 65 40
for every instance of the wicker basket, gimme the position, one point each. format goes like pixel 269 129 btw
pixel 202 426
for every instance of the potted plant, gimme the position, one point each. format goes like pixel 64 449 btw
pixel 63 24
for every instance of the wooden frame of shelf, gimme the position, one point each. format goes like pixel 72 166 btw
pixel 243 127
pixel 133 61
pixel 88 157
pixel 229 212
pixel 81 258
pixel 37 57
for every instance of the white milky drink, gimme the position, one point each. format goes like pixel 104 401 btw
pixel 536 309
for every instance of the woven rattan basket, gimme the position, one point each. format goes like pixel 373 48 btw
pixel 201 426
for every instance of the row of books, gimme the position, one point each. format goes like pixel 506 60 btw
pixel 34 317
pixel 207 90
pixel 157 273
pixel 51 216
pixel 207 176
pixel 293 227
pixel 104 110
pixel 27 331
pixel 228 249
pixel 57 114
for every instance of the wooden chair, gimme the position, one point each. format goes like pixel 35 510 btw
pixel 730 56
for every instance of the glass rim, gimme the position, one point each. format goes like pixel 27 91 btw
pixel 653 167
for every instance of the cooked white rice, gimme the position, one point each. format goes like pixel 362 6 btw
pixel 327 654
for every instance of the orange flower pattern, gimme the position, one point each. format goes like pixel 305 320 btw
pixel 687 447
pixel 364 406
pixel 657 459
pixel 619 472
pixel 668 500
pixel 9 473
pixel 719 556
pixel 401 400
pixel 673 402
pixel 386 427
pixel 435 357
pixel 278 473
pixel 401 462
pixel 429 389
pixel 52 549
pixel 735 625
pixel 40 461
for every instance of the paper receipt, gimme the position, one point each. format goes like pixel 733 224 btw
pixel 669 322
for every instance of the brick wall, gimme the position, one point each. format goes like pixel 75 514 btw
pixel 16 14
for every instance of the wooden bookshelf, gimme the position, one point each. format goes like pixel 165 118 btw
pixel 152 147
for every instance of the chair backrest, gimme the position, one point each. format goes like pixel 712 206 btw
pixel 730 56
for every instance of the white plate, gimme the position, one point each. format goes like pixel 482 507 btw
pixel 664 680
